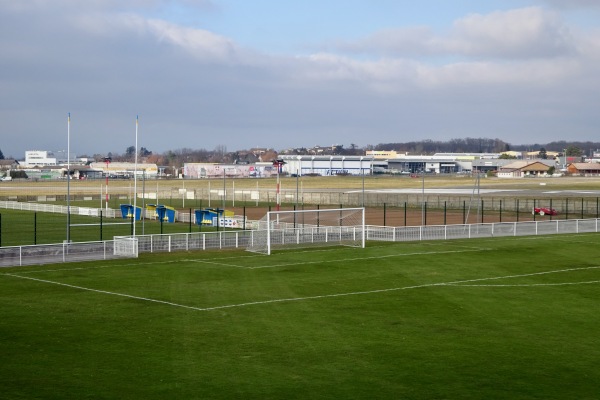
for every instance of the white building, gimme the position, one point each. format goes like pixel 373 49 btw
pixel 125 169
pixel 40 158
pixel 328 165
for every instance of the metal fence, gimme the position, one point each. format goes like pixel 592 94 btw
pixel 57 253
pixel 50 208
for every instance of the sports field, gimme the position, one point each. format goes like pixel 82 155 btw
pixel 510 318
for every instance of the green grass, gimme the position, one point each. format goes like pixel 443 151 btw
pixel 395 321
pixel 18 228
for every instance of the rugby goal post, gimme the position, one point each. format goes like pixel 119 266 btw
pixel 308 228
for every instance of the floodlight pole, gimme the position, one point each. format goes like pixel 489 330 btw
pixel 68 179
pixel 277 194
pixel 135 175
pixel 278 163
pixel 423 197
pixel 107 160
pixel 362 172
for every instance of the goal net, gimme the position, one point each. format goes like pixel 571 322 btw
pixel 125 246
pixel 307 228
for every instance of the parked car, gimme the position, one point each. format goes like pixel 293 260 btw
pixel 544 211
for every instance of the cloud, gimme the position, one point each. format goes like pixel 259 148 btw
pixel 508 74
pixel 521 33
pixel 202 44
pixel 566 4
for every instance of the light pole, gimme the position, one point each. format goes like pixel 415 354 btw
pixel 423 197
pixel 362 172
pixel 278 164
pixel 107 160
pixel 68 179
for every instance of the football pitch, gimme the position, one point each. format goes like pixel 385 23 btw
pixel 500 318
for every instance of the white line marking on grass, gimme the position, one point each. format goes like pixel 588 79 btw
pixel 325 296
pixel 371 258
pixel 531 284
pixel 106 292
pixel 220 264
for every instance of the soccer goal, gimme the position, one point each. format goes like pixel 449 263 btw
pixel 125 246
pixel 307 228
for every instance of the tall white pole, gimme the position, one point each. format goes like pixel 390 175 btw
pixel 423 197
pixel 135 174
pixel 68 178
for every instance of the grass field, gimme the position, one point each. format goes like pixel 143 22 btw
pixel 19 228
pixel 513 318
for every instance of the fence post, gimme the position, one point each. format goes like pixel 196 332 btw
pixel 500 210
pixel 482 211
pixel 444 215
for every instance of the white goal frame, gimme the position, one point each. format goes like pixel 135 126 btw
pixel 309 228
pixel 125 246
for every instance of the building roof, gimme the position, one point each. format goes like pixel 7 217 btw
pixel 537 165
pixel 586 166
pixel 9 162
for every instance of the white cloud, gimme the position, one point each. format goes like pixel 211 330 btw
pixel 502 74
pixel 573 3
pixel 521 33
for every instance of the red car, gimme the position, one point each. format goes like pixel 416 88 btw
pixel 544 211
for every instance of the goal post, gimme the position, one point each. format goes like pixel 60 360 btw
pixel 125 246
pixel 308 228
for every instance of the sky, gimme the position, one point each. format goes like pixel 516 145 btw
pixel 202 74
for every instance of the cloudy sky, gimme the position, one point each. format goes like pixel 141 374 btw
pixel 269 73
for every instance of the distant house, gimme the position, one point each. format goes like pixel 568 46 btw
pixel 7 165
pixel 584 168
pixel 521 169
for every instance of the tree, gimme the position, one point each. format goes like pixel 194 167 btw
pixel 506 157
pixel 543 154
pixel 1 155
pixel 144 152
pixel 130 151
pixel 573 151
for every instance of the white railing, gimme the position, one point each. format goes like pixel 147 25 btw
pixel 50 208
pixel 56 253
pixel 470 231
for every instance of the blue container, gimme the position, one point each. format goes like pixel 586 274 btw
pixel 170 214
pixel 127 211
pixel 208 216
pixel 165 214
